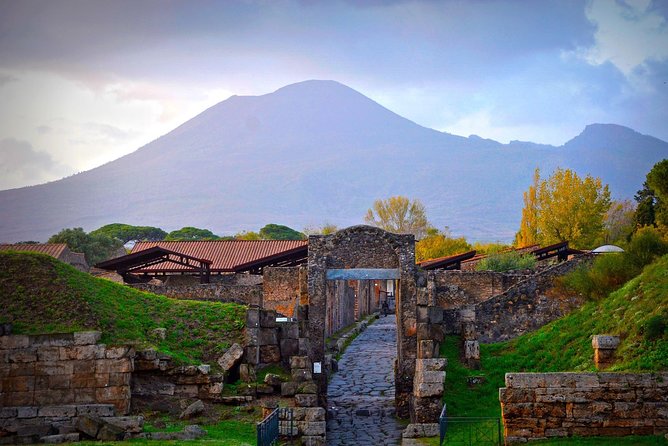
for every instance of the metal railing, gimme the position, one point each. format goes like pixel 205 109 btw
pixel 469 431
pixel 279 422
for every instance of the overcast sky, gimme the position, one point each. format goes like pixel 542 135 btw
pixel 85 82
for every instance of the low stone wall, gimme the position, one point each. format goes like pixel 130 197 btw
pixel 527 306
pixel 57 369
pixel 217 292
pixel 545 405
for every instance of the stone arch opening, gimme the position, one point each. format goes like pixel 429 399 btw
pixel 382 255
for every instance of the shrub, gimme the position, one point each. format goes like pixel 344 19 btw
pixel 645 247
pixel 654 328
pixel 506 261
pixel 605 275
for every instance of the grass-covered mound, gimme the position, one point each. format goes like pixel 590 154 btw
pixel 637 312
pixel 39 294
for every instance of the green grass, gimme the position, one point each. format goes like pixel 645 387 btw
pixel 581 441
pixel 39 294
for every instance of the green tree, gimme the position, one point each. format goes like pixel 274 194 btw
pixel 528 233
pixel 126 233
pixel 645 214
pixel 279 232
pixel 619 221
pixel 571 209
pixel 191 233
pixel 95 247
pixel 399 215
pixel 657 180
pixel 439 244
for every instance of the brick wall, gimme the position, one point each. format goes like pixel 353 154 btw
pixel 283 289
pixel 58 369
pixel 545 405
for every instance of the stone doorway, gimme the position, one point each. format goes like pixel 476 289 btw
pixel 364 253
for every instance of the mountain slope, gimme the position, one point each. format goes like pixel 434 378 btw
pixel 310 153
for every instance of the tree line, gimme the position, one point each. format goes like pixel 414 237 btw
pixel 561 207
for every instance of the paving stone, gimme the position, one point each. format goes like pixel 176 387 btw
pixel 361 393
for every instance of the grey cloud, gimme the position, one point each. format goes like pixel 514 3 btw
pixel 6 78
pixel 20 163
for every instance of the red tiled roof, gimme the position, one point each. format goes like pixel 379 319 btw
pixel 225 255
pixel 51 249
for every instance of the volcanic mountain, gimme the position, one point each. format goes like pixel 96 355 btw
pixel 317 152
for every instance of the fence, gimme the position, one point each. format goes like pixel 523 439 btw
pixel 278 423
pixel 469 431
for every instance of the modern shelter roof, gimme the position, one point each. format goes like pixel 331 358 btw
pixel 229 255
pixel 448 262
pixel 53 249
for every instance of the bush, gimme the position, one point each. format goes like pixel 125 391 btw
pixel 654 328
pixel 605 275
pixel 507 261
pixel 645 247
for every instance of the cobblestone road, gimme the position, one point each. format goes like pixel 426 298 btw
pixel 361 393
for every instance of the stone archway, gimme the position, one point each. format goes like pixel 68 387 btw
pixel 365 247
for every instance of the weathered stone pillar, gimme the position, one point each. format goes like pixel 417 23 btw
pixel 426 402
pixel 470 345
pixel 604 350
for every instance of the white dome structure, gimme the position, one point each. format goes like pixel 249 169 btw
pixel 606 249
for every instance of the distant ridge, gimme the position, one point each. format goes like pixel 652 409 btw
pixel 316 152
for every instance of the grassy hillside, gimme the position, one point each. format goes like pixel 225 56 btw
pixel 638 313
pixel 39 294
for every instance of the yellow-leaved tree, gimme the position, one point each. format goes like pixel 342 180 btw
pixel 399 215
pixel 439 244
pixel 528 233
pixel 568 208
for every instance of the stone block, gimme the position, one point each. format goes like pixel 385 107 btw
pixel 300 362
pixel 426 349
pixel 430 365
pixel 22 355
pixel 430 377
pixel 113 365
pixel 99 410
pixel 192 410
pixel 231 357
pixel 58 411
pixel 313 428
pixel 273 380
pixel 268 336
pixel 14 342
pixel 270 354
pixel 426 390
pixel 435 315
pixel 54 368
pixel 87 337
pixel 422 314
pixel 48 353
pixel 289 348
pixel 421 430
pixel 112 393
pixel 315 414
pixel 253 318
pixel 60 438
pixel 607 342
pixel 247 373
pixel 289 330
pixel 79 352
pixel 308 387
pixel 306 400
pixel 289 388
pixel 9 412
pixel 118 352
pixel 301 375
pixel 26 412
pixel 264 389
pixel 471 350
pixel 252 355
pixel 17 384
pixel 17 398
pixel 60 382
pixel 267 318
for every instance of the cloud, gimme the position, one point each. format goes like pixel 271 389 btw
pixel 628 34
pixel 6 78
pixel 21 164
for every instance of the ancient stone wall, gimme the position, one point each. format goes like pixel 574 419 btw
pixel 545 405
pixel 64 369
pixel 527 306
pixel 283 289
pixel 216 292
pixel 268 341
